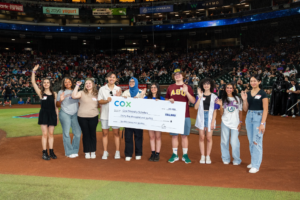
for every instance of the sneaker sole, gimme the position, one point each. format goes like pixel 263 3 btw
pixel 176 159
pixel 236 164
pixel 253 172
pixel 185 162
pixel 202 162
pixel 117 158
pixel 208 163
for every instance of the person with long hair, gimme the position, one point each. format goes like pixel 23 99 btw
pixel 68 117
pixel 231 108
pixel 48 115
pixel 183 93
pixel 155 136
pixel 256 103
pixel 206 117
pixel 104 97
pixel 88 114
pixel 133 92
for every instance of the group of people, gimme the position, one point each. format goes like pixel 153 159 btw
pixel 84 118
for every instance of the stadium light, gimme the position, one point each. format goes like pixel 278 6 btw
pixel 13 39
pixel 28 42
pixel 147 16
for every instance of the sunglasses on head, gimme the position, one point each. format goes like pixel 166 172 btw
pixel 111 93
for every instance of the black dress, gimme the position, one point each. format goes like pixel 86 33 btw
pixel 47 115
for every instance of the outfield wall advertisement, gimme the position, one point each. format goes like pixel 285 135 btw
pixel 60 11
pixel 109 11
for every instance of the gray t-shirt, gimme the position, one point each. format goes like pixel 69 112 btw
pixel 69 105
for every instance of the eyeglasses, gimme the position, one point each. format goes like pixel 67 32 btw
pixel 153 87
pixel 111 93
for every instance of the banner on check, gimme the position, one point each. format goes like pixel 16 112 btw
pixel 109 11
pixel 60 11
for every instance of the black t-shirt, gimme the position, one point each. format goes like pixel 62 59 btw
pixel 206 102
pixel 8 90
pixel 293 95
pixel 255 103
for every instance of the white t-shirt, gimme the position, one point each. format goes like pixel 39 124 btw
pixel 231 113
pixel 104 93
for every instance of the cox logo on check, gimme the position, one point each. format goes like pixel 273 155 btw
pixel 123 103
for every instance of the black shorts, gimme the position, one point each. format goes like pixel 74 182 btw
pixel 9 96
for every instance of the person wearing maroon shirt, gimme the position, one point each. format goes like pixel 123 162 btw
pixel 183 93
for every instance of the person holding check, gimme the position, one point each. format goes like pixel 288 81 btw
pixel 133 92
pixel 155 135
pixel 104 97
pixel 88 115
pixel 184 93
pixel 256 103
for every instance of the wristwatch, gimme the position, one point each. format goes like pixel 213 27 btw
pixel 262 123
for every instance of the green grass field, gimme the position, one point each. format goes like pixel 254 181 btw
pixel 34 187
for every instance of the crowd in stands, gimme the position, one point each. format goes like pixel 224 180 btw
pixel 223 65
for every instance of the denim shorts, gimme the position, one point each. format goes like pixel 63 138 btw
pixel 187 127
pixel 104 124
pixel 206 113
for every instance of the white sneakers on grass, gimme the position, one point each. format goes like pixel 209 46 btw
pixel 204 160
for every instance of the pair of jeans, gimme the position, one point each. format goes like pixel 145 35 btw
pixel 88 126
pixel 138 138
pixel 253 121
pixel 234 141
pixel 70 121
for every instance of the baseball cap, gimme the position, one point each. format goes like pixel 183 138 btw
pixel 177 71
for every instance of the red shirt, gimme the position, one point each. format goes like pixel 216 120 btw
pixel 245 70
pixel 174 92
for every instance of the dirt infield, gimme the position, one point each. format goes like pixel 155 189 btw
pixel 279 170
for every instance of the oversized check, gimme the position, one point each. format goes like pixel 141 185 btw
pixel 147 114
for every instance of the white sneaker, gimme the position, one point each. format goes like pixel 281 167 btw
pixel 87 155
pixel 138 157
pixel 76 155
pixel 105 155
pixel 93 155
pixel 72 156
pixel 127 158
pixel 284 115
pixel 249 166
pixel 208 161
pixel 236 164
pixel 294 116
pixel 226 163
pixel 117 155
pixel 202 160
pixel 253 170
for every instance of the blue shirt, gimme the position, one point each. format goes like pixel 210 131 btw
pixel 20 102
pixel 161 98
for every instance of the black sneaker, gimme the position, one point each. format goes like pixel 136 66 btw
pixel 156 158
pixel 45 155
pixel 152 157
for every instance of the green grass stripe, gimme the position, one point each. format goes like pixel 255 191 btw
pixel 34 187
pixel 19 127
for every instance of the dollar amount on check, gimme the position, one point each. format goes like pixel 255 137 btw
pixel 147 114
